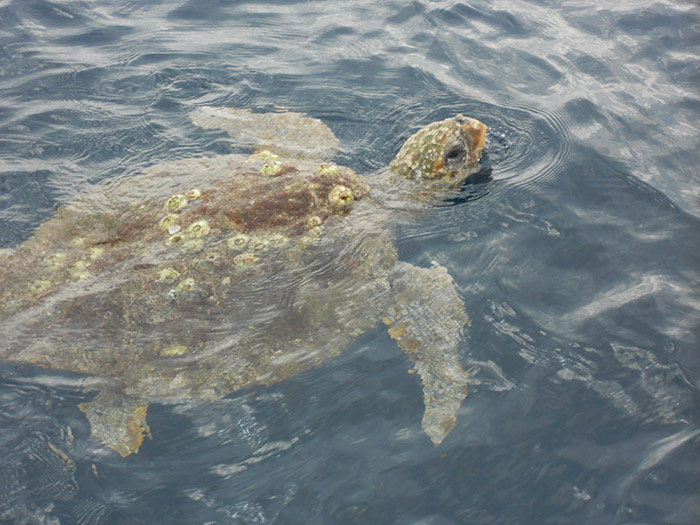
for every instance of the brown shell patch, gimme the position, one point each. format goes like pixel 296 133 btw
pixel 287 201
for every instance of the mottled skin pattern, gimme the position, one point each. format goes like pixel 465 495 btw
pixel 441 150
pixel 205 276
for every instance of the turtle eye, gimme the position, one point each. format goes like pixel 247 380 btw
pixel 456 154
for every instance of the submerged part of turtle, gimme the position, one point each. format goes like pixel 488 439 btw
pixel 204 276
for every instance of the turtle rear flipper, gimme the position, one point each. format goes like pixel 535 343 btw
pixel 426 320
pixel 117 420
pixel 286 133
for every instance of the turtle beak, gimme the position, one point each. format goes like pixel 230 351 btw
pixel 475 132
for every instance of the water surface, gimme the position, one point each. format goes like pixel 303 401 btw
pixel 578 258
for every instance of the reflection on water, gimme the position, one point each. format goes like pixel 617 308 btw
pixel 576 253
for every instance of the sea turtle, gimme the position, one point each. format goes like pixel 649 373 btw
pixel 204 276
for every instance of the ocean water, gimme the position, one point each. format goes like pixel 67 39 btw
pixel 577 253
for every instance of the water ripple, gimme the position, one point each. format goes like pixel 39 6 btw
pixel 575 251
pixel 527 146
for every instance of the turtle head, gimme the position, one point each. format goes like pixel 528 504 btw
pixel 445 151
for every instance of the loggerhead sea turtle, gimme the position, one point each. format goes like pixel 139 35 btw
pixel 204 276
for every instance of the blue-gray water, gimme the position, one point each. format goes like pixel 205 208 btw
pixel 579 259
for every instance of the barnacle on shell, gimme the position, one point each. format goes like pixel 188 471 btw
pixel 314 221
pixel 176 202
pixel 56 261
pixel 314 233
pixel 198 229
pixel 173 349
pixel 168 274
pixel 186 284
pixel 270 169
pixel 175 239
pixel 95 252
pixel 79 271
pixel 327 170
pixel 259 245
pixel 41 286
pixel 245 259
pixel 340 196
pixel 193 194
pixel 168 221
pixel 265 155
pixel 193 245
pixel 212 255
pixel 239 241
pixel 277 239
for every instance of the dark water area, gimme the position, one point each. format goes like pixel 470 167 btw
pixel 576 251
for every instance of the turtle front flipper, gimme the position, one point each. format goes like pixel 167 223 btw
pixel 285 133
pixel 426 320
pixel 117 420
